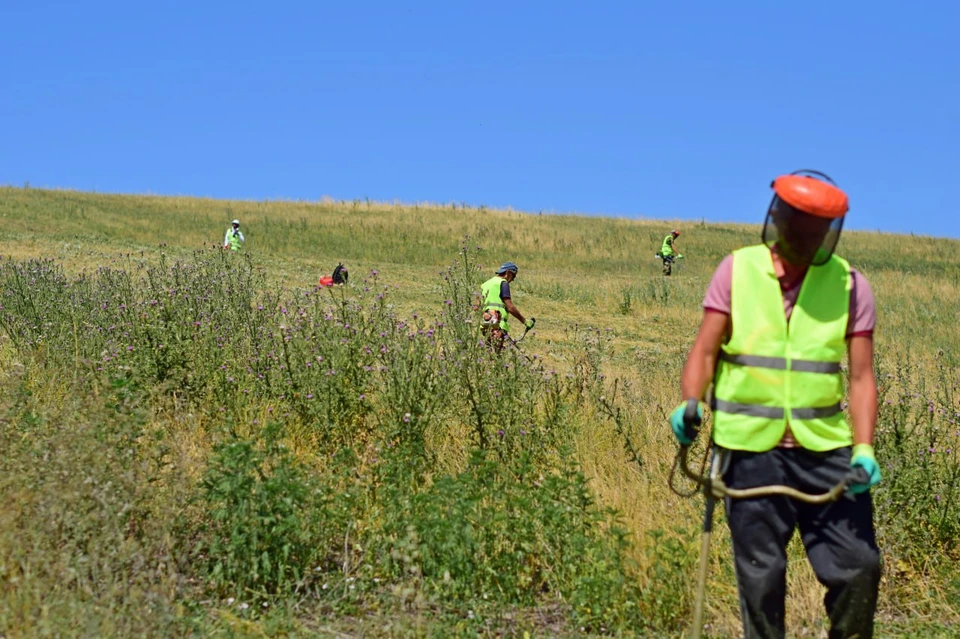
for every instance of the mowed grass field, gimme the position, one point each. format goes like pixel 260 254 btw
pixel 600 373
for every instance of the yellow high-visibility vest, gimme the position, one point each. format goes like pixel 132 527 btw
pixel 772 372
pixel 490 290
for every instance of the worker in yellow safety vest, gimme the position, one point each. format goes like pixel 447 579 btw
pixel 668 251
pixel 778 320
pixel 496 304
pixel 233 239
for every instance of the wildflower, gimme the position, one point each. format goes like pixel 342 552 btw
pixel 406 418
pixel 244 606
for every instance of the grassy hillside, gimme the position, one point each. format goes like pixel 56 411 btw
pixel 165 472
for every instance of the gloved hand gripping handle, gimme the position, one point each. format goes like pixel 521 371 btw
pixel 691 419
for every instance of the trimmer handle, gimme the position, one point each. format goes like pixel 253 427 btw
pixel 691 419
pixel 857 475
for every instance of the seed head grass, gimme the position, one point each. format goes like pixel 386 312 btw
pixel 202 442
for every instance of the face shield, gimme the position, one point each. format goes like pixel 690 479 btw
pixel 805 218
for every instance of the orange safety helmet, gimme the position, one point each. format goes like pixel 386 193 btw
pixel 812 195
pixel 805 217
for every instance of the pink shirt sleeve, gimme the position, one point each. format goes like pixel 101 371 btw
pixel 863 306
pixel 718 294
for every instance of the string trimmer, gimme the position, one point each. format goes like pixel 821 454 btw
pixel 714 488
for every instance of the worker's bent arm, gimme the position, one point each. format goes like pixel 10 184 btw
pixel 702 360
pixel 863 388
pixel 513 310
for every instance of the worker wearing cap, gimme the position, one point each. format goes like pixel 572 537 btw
pixel 233 240
pixel 778 319
pixel 497 304
pixel 667 251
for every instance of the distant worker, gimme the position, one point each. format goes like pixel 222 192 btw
pixel 497 303
pixel 668 253
pixel 779 319
pixel 233 240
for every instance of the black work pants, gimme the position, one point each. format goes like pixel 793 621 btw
pixel 838 537
pixel 667 264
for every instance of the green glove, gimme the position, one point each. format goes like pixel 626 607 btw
pixel 684 421
pixel 529 323
pixel 863 458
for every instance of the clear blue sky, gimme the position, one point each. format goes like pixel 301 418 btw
pixel 657 109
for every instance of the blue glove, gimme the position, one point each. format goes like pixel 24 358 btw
pixel 863 458
pixel 685 419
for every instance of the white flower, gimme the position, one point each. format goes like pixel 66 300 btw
pixel 230 601
pixel 244 606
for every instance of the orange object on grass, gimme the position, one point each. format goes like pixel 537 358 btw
pixel 811 195
pixel 326 280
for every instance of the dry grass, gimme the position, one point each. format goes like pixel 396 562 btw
pixel 574 272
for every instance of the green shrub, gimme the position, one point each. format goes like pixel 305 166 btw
pixel 270 527
pixel 516 536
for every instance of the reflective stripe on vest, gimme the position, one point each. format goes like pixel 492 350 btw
pixel 772 412
pixel 773 373
pixel 780 363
